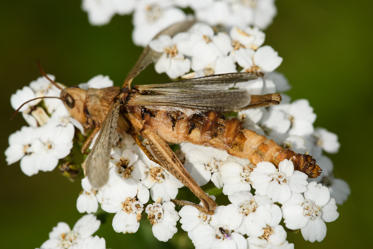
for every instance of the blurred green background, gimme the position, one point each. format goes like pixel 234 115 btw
pixel 326 46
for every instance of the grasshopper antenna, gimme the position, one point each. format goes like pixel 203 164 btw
pixel 30 100
pixel 42 72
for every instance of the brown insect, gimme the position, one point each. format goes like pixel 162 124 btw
pixel 184 111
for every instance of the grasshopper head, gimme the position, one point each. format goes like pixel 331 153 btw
pixel 74 100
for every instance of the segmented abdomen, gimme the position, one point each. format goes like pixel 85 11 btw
pixel 211 129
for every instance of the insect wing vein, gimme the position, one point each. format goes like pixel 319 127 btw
pixel 97 162
pixel 216 92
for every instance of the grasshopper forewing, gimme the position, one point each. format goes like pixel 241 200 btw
pixel 209 93
pixel 97 163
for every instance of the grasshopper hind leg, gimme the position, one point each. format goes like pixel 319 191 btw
pixel 205 208
pixel 167 159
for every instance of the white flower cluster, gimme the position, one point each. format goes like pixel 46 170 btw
pixel 201 51
pixel 291 125
pixel 253 220
pixel 133 181
pixel 264 199
pixel 49 136
pixel 80 237
pixel 205 52
pixel 262 196
pixel 151 16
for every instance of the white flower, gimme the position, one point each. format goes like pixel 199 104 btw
pixel 237 12
pixel 279 81
pixel 203 163
pixel 252 210
pixel 61 117
pixel 295 119
pixel 249 37
pixel 151 16
pixel 244 58
pixel 30 119
pixel 263 12
pixel 309 213
pixel 215 231
pixel 191 218
pixel 124 162
pixel 42 87
pixel 277 120
pixel 269 232
pixel 302 117
pixel 143 194
pixel 215 13
pixel 21 96
pixel 124 6
pixel 54 142
pixel 278 183
pixel 339 190
pixel 94 243
pixel 256 13
pixel 265 59
pixel 235 177
pixel 211 52
pixel 223 217
pixel 115 191
pixel 199 32
pixel 172 61
pixel 20 144
pixel 40 148
pixel 99 81
pixel 163 218
pixel 327 140
pixel 221 232
pixel 99 12
pixel 225 239
pixel 87 201
pixel 124 195
pixel 197 224
pixel 127 220
pixel 251 116
pixel 162 184
pixel 300 144
pixel 221 65
pixel 62 237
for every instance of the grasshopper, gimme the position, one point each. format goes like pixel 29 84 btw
pixel 184 111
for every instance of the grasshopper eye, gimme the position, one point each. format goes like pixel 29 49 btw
pixel 70 102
